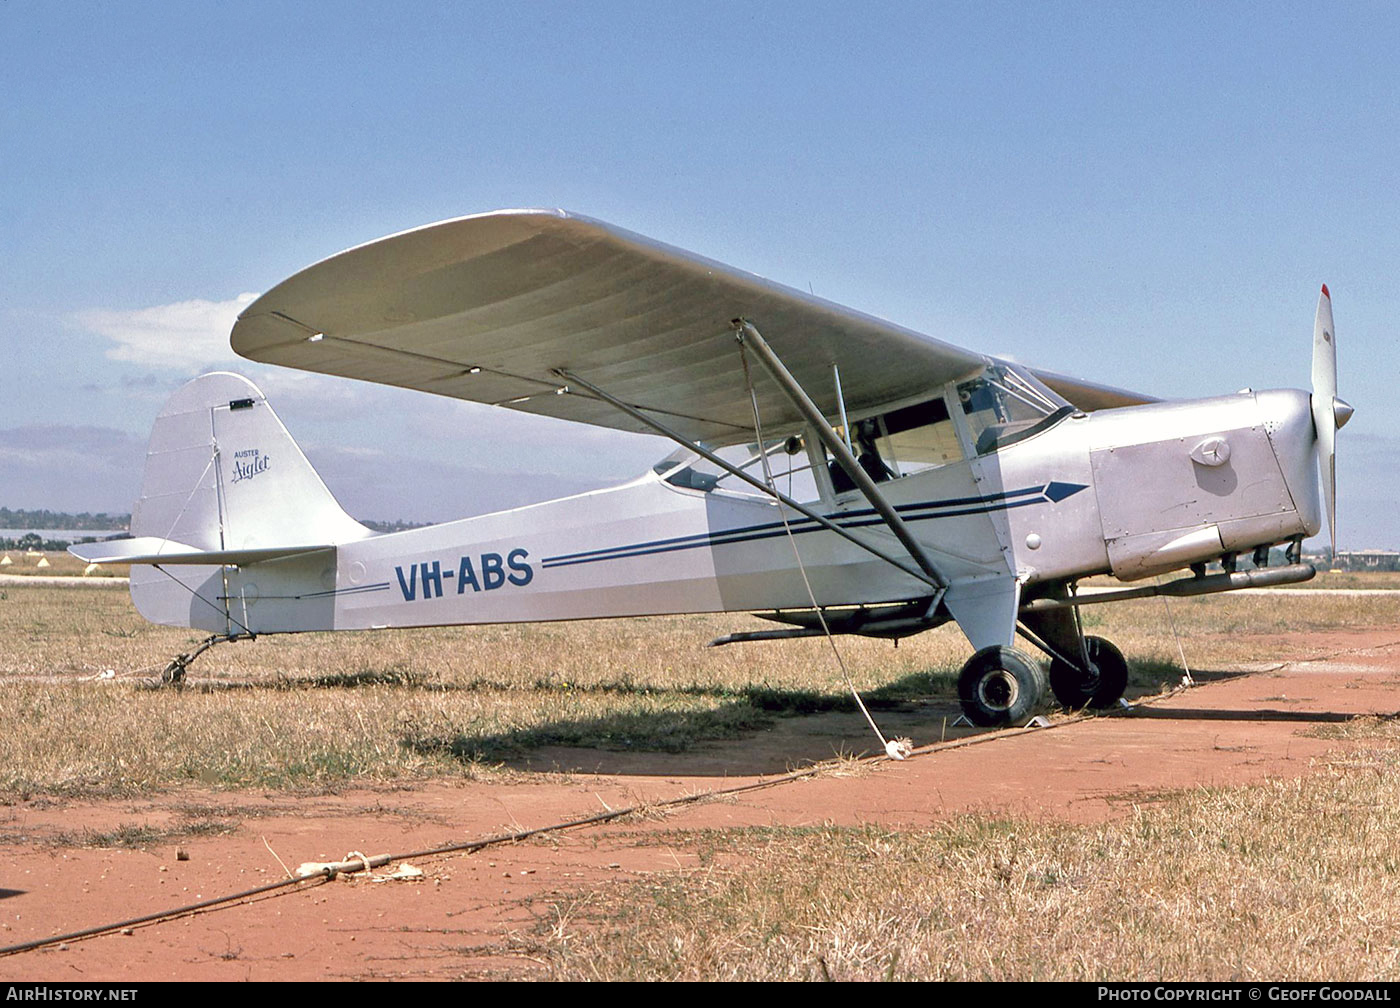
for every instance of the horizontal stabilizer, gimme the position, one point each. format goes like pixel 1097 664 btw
pixel 154 550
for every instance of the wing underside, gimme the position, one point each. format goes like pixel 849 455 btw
pixel 490 307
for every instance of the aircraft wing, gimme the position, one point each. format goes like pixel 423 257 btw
pixel 487 307
pixel 1090 396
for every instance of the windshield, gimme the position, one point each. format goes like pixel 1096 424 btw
pixel 1005 404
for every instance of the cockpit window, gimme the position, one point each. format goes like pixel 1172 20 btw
pixel 787 464
pixel 1004 405
pixel 919 437
pixel 899 443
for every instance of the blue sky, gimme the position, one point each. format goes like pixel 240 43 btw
pixel 1146 194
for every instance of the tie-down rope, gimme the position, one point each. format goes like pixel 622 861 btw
pixel 896 749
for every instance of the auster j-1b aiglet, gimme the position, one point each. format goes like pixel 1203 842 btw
pixel 834 471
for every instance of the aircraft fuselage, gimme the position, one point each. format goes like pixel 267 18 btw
pixel 1132 491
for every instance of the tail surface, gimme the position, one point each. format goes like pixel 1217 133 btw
pixel 224 484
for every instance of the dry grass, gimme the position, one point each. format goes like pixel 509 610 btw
pixel 320 710
pixel 1191 888
pixel 1293 879
pixel 60 564
pixel 1379 580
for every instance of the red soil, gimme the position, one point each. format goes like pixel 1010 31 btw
pixel 455 922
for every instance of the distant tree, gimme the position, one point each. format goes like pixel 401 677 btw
pixel 18 518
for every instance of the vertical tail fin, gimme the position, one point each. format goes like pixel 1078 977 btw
pixel 223 474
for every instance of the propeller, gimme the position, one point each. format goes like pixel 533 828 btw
pixel 1329 412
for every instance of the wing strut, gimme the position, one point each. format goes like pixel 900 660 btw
pixel 758 484
pixel 749 336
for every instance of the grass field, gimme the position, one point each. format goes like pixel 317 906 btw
pixel 26 562
pixel 319 710
pixel 1291 879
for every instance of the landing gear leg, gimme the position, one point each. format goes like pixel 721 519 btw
pixel 1001 686
pixel 1100 685
pixel 174 673
pixel 1085 671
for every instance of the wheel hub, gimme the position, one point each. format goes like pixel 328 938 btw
pixel 998 689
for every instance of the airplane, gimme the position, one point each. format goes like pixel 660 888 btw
pixel 834 473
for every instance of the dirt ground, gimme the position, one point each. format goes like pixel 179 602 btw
pixel 457 920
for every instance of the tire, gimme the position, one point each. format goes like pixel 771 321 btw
pixel 1100 687
pixel 1001 686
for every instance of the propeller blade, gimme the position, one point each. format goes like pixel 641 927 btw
pixel 1324 406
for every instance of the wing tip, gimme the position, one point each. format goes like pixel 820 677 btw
pixel 1326 293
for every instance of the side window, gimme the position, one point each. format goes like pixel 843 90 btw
pixel 920 437
pixel 787 463
pixel 900 443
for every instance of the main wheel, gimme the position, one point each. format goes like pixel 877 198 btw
pixel 1000 686
pixel 1098 687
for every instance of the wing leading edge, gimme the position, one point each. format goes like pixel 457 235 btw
pixel 488 307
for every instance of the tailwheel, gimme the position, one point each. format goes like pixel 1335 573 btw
pixel 1000 686
pixel 1099 686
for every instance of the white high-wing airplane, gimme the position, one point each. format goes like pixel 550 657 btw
pixel 835 472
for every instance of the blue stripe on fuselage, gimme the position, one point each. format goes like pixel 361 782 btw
pixel 954 507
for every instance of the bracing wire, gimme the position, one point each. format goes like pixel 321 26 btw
pixel 894 748
pixel 224 610
pixel 1186 678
